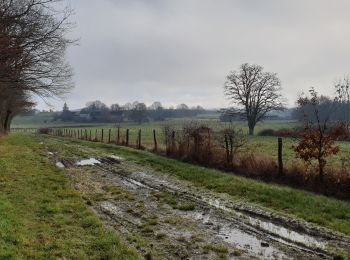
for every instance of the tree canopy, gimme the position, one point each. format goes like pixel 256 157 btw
pixel 255 92
pixel 32 54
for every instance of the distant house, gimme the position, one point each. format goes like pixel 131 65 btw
pixel 85 116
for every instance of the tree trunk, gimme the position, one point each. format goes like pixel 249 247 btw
pixel 251 130
pixel 251 126
pixel 2 128
pixel 227 150
pixel 321 166
pixel 7 121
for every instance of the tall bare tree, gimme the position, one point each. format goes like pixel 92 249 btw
pixel 32 52
pixel 342 99
pixel 255 92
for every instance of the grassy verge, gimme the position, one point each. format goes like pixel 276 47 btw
pixel 324 211
pixel 41 217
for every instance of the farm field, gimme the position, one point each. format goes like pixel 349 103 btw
pixel 260 145
pixel 144 196
pixel 46 120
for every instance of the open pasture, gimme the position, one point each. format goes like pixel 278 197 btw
pixel 258 145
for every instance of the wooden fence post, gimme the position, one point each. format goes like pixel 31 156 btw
pixel 86 136
pixel 90 136
pixel 280 161
pixel 96 135
pixel 127 137
pixel 102 136
pixel 173 142
pixel 155 140
pixel 109 136
pixel 139 139
pixel 118 135
pixel 227 150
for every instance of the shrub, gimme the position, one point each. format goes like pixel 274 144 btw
pixel 193 142
pixel 260 167
pixel 287 132
pixel 45 131
pixel 267 132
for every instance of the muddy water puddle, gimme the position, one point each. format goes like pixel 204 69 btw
pixel 233 234
pixel 60 165
pixel 86 162
pixel 280 231
pixel 258 237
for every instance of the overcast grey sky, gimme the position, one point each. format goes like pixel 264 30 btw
pixel 179 51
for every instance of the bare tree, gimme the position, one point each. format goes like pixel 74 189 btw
pixel 128 106
pixel 115 107
pixel 156 105
pixel 139 113
pixel 97 105
pixel 255 92
pixel 32 51
pixel 342 99
pixel 182 107
pixel 232 140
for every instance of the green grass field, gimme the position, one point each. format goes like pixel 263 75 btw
pixel 261 145
pixel 41 216
pixel 258 145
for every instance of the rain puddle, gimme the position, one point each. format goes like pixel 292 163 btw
pixel 139 184
pixel 60 165
pixel 280 231
pixel 231 234
pixel 287 234
pixel 91 161
pixel 133 184
pixel 115 157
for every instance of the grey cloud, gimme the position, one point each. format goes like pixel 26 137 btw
pixel 181 50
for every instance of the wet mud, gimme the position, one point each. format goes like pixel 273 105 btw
pixel 165 218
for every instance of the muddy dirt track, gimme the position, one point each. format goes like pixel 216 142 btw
pixel 164 218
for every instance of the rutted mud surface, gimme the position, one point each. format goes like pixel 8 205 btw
pixel 164 218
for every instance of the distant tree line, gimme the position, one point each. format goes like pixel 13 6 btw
pixel 97 111
pixel 329 109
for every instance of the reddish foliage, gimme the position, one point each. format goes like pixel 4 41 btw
pixel 318 144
